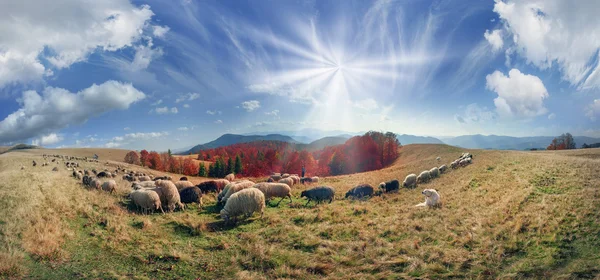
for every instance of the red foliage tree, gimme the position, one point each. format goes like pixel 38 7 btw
pixel 144 157
pixel 189 167
pixel 154 161
pixel 132 158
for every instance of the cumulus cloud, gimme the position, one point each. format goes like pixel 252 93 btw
pixel 144 54
pixel 593 110
pixel 187 97
pixel 186 105
pixel 519 94
pixel 165 110
pixel 64 35
pixel 49 139
pixel 555 31
pixel 250 105
pixel 494 38
pixel 132 138
pixel 57 108
pixel 160 31
pixel 551 116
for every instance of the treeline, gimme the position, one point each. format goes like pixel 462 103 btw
pixel 563 142
pixel 586 146
pixel 371 151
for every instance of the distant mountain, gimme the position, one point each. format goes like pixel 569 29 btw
pixel 307 135
pixel 496 142
pixel 230 139
pixel 406 139
pixel 325 142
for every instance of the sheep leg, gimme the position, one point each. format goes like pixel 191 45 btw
pixel 307 202
pixel 290 198
pixel 280 201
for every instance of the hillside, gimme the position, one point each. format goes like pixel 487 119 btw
pixel 510 214
pixel 510 143
pixel 230 139
pixel 406 139
pixel 323 143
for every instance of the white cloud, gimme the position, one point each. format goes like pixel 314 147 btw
pixel 519 94
pixel 63 35
pixel 593 110
pixel 368 104
pixel 183 128
pixel 187 97
pixel 165 110
pixel 551 116
pixel 144 55
pixel 157 102
pixel 212 112
pixel 555 31
pixel 218 121
pixel 160 31
pixel 494 38
pixel 132 138
pixel 58 108
pixel 49 139
pixel 126 128
pixel 272 113
pixel 186 105
pixel 250 105
pixel 474 113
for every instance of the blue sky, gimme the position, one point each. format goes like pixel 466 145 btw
pixel 171 74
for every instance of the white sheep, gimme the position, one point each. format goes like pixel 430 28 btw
pixel 244 202
pixel 236 187
pixel 143 185
pixel 109 186
pixel 443 168
pixel 144 178
pixel 423 177
pixel 146 200
pixel 434 172
pixel 438 158
pixel 275 190
pixel 410 181
pixel 288 181
pixel 183 184
pixel 432 199
pixel 315 179
pixel 169 195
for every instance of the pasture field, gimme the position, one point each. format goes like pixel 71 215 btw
pixel 510 214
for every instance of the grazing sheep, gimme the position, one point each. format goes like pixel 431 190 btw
pixel 182 179
pixel 390 186
pixel 432 198
pixel 213 185
pixel 443 169
pixel 285 175
pixel 314 179
pixel 305 180
pixel 144 178
pixel 191 195
pixel 296 179
pixel 103 174
pixel 410 181
pixel 438 158
pixel 287 181
pixel 454 164
pixel 109 186
pixel 275 190
pixel 55 169
pixel 34 163
pixel 236 187
pixel 95 183
pixel 183 184
pixel 169 195
pixel 276 177
pixel 143 185
pixel 146 200
pixel 270 180
pixel 423 177
pixel 434 172
pixel 230 177
pixel 244 202
pixel 360 191
pixel 319 194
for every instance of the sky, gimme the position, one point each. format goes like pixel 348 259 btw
pixel 171 74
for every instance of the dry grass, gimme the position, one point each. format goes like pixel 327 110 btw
pixel 508 215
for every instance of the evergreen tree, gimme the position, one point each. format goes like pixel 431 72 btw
pixel 170 154
pixel 202 170
pixel 238 165
pixel 211 170
pixel 221 168
pixel 230 167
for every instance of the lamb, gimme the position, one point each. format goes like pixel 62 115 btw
pixel 213 185
pixel 274 190
pixel 390 186
pixel 443 169
pixel 109 186
pixel 434 172
pixel 146 200
pixel 360 191
pixel 288 181
pixel 34 163
pixel 319 194
pixel 144 178
pixel 183 184
pixel 230 177
pixel 244 202
pixel 191 195
pixel 423 177
pixel 168 194
pixel 410 181
pixel 236 187
pixel 314 179
pixel 432 199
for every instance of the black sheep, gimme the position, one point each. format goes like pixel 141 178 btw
pixel 360 191
pixel 390 186
pixel 208 186
pixel 319 194
pixel 191 195
pixel 183 179
pixel 306 180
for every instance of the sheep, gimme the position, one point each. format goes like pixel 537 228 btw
pixel 390 186
pixel 55 169
pixel 296 179
pixel 304 180
pixel 236 187
pixel 434 172
pixel 360 191
pixel 410 181
pixel 191 195
pixel 34 163
pixel 181 179
pixel 432 199
pixel 142 185
pixel 213 185
pixel 22 167
pixel 244 202
pixel 169 195
pixel 87 172
pixel 287 181
pixel 146 200
pixel 438 158
pixel 454 164
pixel 95 183
pixel 270 180
pixel 109 186
pixel 144 178
pixel 274 190
pixel 103 174
pixel 78 176
pixel 443 169
pixel 314 179
pixel 276 177
pixel 285 175
pixel 183 184
pixel 162 178
pixel 230 177
pixel 318 194
pixel 423 177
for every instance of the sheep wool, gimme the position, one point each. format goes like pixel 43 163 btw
pixel 170 195
pixel 244 202
pixel 236 187
pixel 146 200
pixel 434 172
pixel 183 184
pixel 288 181
pixel 423 177
pixel 319 194
pixel 271 190
pixel 410 181
pixel 109 186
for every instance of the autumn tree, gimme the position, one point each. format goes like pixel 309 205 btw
pixel 189 168
pixel 154 161
pixel 132 158
pixel 144 156
pixel 562 142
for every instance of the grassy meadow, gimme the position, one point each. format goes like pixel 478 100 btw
pixel 510 214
